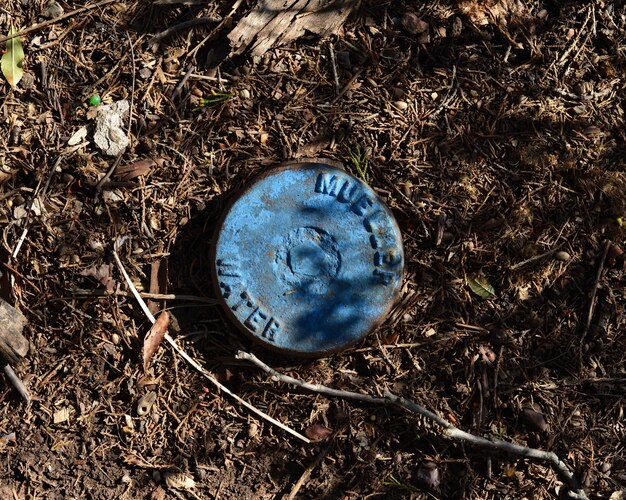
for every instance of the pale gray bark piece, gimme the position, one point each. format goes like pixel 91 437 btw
pixel 13 345
pixel 110 136
pixel 273 23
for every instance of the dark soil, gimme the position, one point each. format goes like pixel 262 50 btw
pixel 493 144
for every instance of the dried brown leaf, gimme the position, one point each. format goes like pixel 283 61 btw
pixel 318 432
pixel 314 147
pixel 128 172
pixel 103 274
pixel 534 419
pixel 270 24
pixel 412 23
pixel 154 337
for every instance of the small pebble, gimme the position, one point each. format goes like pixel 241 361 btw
pixel 563 256
pixel 115 338
pixel 52 10
pixel 94 100
pixel 145 73
pixel 244 94
pixel 401 105
pixel 253 429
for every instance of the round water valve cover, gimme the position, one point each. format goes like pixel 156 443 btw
pixel 308 259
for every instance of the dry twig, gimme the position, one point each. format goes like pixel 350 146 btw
pixel 449 430
pixel 17 383
pixel 181 352
pixel 536 257
pixel 592 301
pixel 44 24
pixel 182 26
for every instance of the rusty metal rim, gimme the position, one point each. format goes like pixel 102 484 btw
pixel 288 165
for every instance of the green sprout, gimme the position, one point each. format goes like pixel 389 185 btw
pixel 359 158
pixel 213 99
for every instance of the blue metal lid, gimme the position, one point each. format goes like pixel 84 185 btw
pixel 308 259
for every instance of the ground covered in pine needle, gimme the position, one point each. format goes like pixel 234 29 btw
pixel 495 134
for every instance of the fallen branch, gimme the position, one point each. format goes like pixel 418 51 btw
pixel 189 359
pixel 449 430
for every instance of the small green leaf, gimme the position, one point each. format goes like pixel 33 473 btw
pixel 12 59
pixel 481 287
pixel 359 158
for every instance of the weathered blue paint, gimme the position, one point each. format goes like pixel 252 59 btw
pixel 308 259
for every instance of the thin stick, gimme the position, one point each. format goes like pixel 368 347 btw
pixel 29 207
pixel 17 383
pixel 333 65
pixel 182 26
pixel 536 257
pixel 119 242
pixel 307 472
pixel 109 173
pixel 592 301
pixel 449 430
pixel 152 296
pixel 39 26
pixel 233 9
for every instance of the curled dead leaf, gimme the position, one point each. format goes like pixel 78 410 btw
pixel 179 481
pixel 154 337
pixel 103 274
pixel 429 475
pixel 145 403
